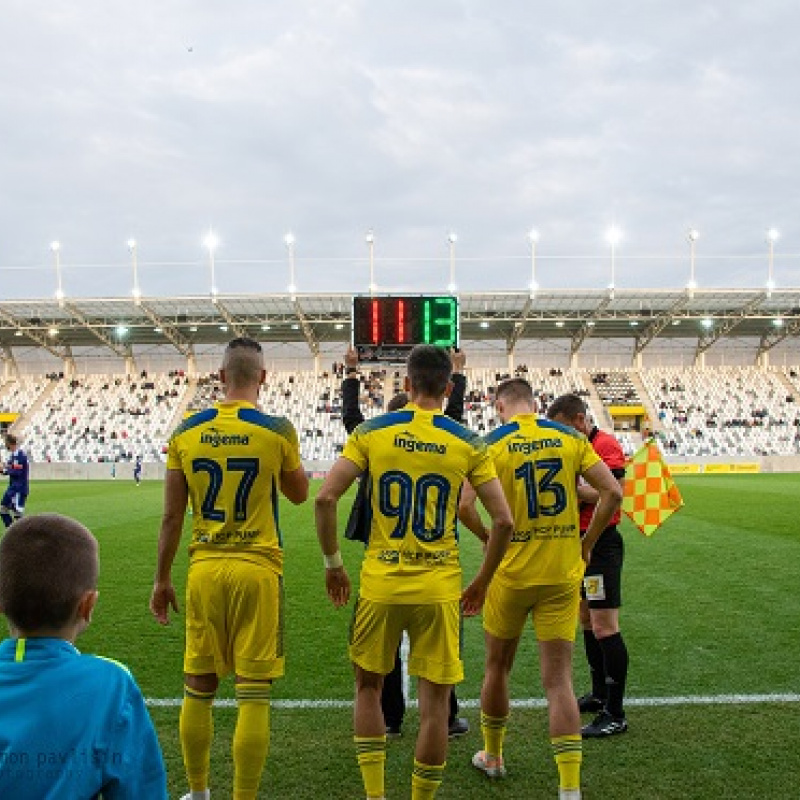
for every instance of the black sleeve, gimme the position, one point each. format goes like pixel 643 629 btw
pixel 455 403
pixel 618 472
pixel 351 412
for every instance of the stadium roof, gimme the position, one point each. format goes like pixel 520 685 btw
pixel 642 315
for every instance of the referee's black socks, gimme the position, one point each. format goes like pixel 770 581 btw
pixel 615 662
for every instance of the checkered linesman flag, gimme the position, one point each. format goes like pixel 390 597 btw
pixel 651 496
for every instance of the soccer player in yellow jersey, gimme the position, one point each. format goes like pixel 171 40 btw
pixel 538 462
pixel 417 459
pixel 230 461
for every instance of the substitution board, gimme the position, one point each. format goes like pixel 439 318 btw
pixel 386 327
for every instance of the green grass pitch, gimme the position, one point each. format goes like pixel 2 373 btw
pixel 711 607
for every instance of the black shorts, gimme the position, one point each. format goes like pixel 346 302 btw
pixel 602 581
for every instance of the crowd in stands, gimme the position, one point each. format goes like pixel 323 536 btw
pixel 733 411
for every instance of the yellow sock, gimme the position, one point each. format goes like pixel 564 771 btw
pixel 494 733
pixel 371 755
pixel 250 739
pixel 568 752
pixel 196 730
pixel 425 780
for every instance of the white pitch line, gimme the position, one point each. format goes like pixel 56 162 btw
pixel 534 702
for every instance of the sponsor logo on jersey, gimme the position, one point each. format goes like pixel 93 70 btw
pixel 408 441
pixel 519 444
pixel 213 437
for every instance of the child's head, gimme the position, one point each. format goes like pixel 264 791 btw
pixel 48 576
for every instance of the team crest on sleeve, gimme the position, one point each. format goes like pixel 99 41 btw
pixel 594 586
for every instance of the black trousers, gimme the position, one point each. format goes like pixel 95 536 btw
pixel 393 703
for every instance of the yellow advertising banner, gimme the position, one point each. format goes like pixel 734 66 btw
pixel 744 467
pixel 626 411
pixel 685 469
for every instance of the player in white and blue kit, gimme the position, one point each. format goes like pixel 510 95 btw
pixel 71 725
pixel 12 506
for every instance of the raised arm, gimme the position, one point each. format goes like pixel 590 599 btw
pixel 455 402
pixel 351 389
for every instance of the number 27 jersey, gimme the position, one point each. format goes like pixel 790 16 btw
pixel 232 456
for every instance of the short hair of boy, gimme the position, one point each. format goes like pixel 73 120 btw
pixel 568 406
pixel 47 562
pixel 515 390
pixel 429 370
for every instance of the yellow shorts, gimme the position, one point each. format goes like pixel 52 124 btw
pixel 553 609
pixel 234 619
pixel 434 631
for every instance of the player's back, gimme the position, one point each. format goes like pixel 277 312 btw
pixel 232 456
pixel 538 462
pixel 417 462
pixel 18 469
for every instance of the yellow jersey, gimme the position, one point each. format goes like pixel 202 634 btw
pixel 232 456
pixel 415 462
pixel 538 462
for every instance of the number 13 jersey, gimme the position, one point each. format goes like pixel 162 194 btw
pixel 232 456
pixel 538 463
pixel 415 461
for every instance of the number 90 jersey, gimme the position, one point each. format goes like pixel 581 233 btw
pixel 232 456
pixel 538 463
pixel 416 462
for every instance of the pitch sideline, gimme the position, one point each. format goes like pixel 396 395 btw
pixel 678 700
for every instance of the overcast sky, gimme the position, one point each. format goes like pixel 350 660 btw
pixel 158 119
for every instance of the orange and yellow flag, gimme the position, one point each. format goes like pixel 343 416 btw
pixel 651 495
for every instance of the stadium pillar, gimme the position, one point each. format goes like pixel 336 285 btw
pixel 316 363
pixel 700 360
pixel 510 362
pixel 763 359
pixel 637 360
pixel 573 360
pixel 191 365
pixel 130 366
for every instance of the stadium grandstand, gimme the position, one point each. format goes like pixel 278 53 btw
pixel 713 374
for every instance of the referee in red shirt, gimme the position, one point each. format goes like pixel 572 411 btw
pixel 601 594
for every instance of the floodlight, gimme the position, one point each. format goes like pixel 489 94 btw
pixel 289 239
pixel 370 237
pixel 122 330
pixel 693 235
pixel 773 235
pixel 613 235
pixel 131 244
pixel 451 287
pixel 533 236
pixel 778 322
pixel 53 332
pixel 55 246
pixel 211 241
pixel 707 322
pixel 484 324
pixel 452 238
